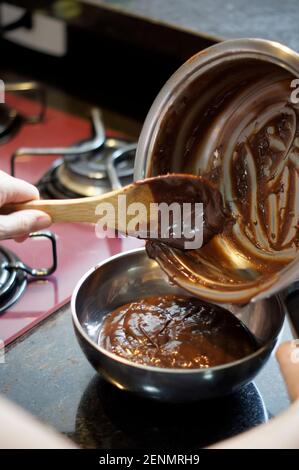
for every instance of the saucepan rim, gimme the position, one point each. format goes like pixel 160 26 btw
pixel 126 362
pixel 232 49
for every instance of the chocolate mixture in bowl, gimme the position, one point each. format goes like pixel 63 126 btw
pixel 175 332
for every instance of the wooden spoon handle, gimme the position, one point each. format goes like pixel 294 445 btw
pixel 60 211
pixel 66 210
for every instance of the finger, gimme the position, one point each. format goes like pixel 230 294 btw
pixel 288 358
pixel 16 190
pixel 23 222
pixel 21 238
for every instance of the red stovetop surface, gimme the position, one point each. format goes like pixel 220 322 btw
pixel 78 247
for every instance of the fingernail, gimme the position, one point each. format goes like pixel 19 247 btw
pixel 43 221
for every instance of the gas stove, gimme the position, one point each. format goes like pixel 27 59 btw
pixel 64 173
pixel 88 168
pixel 59 155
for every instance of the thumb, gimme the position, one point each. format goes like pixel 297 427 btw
pixel 15 190
pixel 22 223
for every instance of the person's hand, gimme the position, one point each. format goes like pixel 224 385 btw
pixel 288 358
pixel 19 224
pixel 280 432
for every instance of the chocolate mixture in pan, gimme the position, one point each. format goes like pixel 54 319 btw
pixel 190 189
pixel 175 332
pixel 247 144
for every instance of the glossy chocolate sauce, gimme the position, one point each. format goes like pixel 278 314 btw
pixel 189 189
pixel 175 332
pixel 245 140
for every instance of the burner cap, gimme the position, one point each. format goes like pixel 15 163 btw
pixel 81 186
pixel 93 165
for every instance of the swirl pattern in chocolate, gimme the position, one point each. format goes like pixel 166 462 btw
pixel 247 143
pixel 175 332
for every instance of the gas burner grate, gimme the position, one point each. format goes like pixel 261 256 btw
pixel 14 273
pixel 12 281
pixel 89 168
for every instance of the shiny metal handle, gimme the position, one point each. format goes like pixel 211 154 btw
pixel 75 150
pixel 112 161
pixel 39 272
pixel 40 93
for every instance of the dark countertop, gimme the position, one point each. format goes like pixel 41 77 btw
pixel 269 19
pixel 214 19
pixel 46 373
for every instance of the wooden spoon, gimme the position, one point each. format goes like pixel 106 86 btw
pixel 180 188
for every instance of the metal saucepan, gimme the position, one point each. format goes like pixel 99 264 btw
pixel 131 276
pixel 191 94
pixel 213 104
